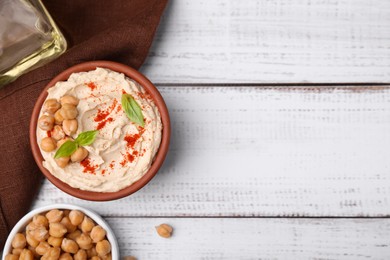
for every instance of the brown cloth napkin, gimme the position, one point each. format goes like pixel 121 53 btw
pixel 120 30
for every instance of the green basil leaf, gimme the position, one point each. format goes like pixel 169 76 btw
pixel 86 138
pixel 66 149
pixel 132 109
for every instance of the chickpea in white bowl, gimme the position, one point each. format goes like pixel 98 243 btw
pixel 61 231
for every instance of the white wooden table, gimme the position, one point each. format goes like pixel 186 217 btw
pixel 281 134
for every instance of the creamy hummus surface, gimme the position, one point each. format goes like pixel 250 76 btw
pixel 123 151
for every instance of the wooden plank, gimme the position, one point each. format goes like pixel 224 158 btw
pixel 252 151
pixel 255 238
pixel 272 42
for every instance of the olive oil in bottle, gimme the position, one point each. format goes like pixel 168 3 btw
pixel 29 38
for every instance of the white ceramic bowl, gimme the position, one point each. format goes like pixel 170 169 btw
pixel 98 219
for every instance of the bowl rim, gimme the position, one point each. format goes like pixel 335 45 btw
pixel 158 159
pixel 90 213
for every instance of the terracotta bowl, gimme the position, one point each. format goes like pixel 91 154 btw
pixel 159 158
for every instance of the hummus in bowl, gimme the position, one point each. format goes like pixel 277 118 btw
pixel 125 154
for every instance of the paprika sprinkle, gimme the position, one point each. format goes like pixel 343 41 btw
pixel 91 85
pixel 88 167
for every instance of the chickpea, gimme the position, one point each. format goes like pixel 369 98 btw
pixel 11 257
pixel 40 220
pixel 54 241
pixel 57 229
pixel 70 126
pixel 95 258
pixel 32 249
pixel 80 154
pixel 48 144
pixel 31 240
pixel 87 224
pixel 52 253
pixel 69 246
pixel 97 234
pixel 91 252
pixel 39 233
pixel 51 106
pixel 57 133
pixel 54 215
pixel 164 230
pixel 42 248
pixel 19 241
pixel 58 118
pixel 80 255
pixel 66 256
pixel 17 251
pixel 69 100
pixel 76 217
pixel 68 111
pixel 107 257
pixel 74 235
pixel 46 122
pixel 26 255
pixel 31 226
pixel 103 247
pixel 62 161
pixel 69 226
pixel 84 241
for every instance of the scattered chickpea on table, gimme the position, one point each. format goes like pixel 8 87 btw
pixel 164 230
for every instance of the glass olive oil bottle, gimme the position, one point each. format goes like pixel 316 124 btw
pixel 29 38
